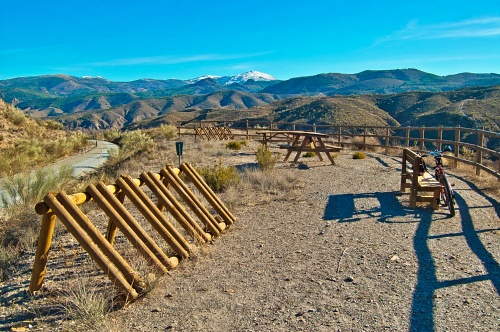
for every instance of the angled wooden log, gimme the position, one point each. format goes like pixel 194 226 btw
pixel 162 231
pixel 173 206
pixel 187 196
pixel 93 250
pixel 208 193
pixel 81 219
pixel 158 220
pixel 130 229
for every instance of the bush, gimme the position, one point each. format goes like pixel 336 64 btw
pixel 131 142
pixel 219 177
pixel 309 154
pixel 169 131
pixel 17 117
pixel 111 135
pixel 265 158
pixel 358 155
pixel 29 189
pixel 233 146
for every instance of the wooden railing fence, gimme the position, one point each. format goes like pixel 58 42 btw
pixel 476 147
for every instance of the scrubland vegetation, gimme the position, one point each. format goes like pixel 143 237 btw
pixel 26 144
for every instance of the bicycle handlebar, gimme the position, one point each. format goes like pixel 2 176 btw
pixel 439 153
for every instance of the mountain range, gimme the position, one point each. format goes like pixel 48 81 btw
pixel 97 103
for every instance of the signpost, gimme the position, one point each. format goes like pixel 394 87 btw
pixel 178 148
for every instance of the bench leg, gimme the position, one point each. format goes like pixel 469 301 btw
pixel 437 194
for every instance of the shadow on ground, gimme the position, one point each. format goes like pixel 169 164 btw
pixel 344 208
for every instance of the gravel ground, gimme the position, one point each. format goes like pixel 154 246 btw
pixel 343 253
pixel 346 254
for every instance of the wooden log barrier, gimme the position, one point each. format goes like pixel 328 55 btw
pixel 110 199
pixel 95 253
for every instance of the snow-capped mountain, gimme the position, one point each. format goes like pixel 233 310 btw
pixel 240 78
pixel 196 79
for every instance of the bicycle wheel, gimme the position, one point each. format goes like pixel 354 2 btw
pixel 448 195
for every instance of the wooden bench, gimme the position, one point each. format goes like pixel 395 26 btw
pixel 423 186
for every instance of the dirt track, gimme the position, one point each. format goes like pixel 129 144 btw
pixel 346 254
pixel 343 253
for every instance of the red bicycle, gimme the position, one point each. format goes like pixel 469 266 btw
pixel 447 196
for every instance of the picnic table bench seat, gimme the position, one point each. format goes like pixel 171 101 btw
pixel 310 149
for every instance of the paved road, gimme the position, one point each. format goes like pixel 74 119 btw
pixel 88 161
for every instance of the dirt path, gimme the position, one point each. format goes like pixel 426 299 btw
pixel 88 161
pixel 346 255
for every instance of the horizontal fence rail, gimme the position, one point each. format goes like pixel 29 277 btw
pixel 110 199
pixel 477 147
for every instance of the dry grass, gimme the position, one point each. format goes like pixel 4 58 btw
pixel 485 182
pixel 86 304
pixel 368 143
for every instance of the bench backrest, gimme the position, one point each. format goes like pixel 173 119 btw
pixel 413 159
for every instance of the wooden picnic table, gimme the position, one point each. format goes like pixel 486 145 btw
pixel 301 141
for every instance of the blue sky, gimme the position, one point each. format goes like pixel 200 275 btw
pixel 128 40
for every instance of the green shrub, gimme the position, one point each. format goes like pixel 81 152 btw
pixel 111 135
pixel 53 125
pixel 29 189
pixel 358 155
pixel 219 177
pixel 265 158
pixel 17 117
pixel 169 131
pixel 309 154
pixel 244 142
pixel 233 146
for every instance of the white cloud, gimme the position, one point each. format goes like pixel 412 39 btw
pixel 472 28
pixel 169 60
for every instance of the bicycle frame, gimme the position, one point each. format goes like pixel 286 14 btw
pixel 447 192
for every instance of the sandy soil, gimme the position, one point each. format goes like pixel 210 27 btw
pixel 343 253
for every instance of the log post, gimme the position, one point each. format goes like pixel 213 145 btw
pixel 422 137
pixel 440 138
pixel 42 251
pixel 457 145
pixel 407 139
pixel 479 152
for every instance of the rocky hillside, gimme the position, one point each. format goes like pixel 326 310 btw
pixel 15 126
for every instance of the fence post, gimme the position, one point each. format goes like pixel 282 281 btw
pixel 440 138
pixel 340 134
pixel 422 136
pixel 314 127
pixel 247 129
pixel 457 145
pixel 386 139
pixel 364 138
pixel 179 128
pixel 293 126
pixel 479 152
pixel 42 251
pixel 407 140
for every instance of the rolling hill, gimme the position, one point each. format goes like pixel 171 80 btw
pixel 404 96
